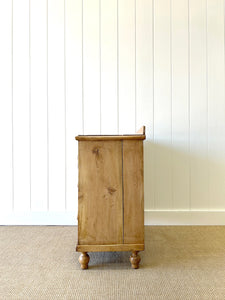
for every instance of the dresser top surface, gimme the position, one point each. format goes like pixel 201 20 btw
pixel 110 137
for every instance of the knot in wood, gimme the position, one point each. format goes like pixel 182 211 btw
pixel 111 190
pixel 95 151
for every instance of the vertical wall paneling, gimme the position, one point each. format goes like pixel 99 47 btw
pixel 180 103
pixel 162 105
pixel 216 103
pixel 21 105
pixel 91 66
pixel 38 80
pixel 108 34
pixel 198 105
pixel 127 56
pixel 106 67
pixel 144 92
pixel 6 105
pixel 73 81
pixel 56 105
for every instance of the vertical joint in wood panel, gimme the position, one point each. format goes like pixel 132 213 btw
pixel 122 188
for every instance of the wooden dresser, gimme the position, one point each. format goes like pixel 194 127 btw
pixel 110 195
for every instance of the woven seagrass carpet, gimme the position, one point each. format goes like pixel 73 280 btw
pixel 179 262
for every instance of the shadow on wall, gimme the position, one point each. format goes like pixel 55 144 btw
pixel 187 177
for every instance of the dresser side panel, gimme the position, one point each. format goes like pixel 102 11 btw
pixel 100 211
pixel 133 192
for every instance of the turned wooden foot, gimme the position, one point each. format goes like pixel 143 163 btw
pixel 84 260
pixel 135 259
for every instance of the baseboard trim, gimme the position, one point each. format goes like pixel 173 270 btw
pixel 152 217
pixel 157 217
pixel 39 218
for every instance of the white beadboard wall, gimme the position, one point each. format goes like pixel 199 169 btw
pixel 71 67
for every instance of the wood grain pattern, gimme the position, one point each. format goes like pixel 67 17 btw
pixel 100 218
pixel 133 192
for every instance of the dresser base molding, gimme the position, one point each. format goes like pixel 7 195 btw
pixel 105 248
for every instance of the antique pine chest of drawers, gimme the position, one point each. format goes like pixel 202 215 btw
pixel 110 195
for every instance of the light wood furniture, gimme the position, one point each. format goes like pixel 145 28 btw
pixel 110 195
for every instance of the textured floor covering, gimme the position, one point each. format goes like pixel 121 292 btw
pixel 40 262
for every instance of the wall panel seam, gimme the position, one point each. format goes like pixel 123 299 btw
pixel 189 105
pixel 135 66
pixel 171 107
pixel 153 97
pixel 12 86
pixel 100 70
pixel 47 75
pixel 30 104
pixel 82 49
pixel 207 97
pixel 118 125
pixel 224 50
pixel 65 104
